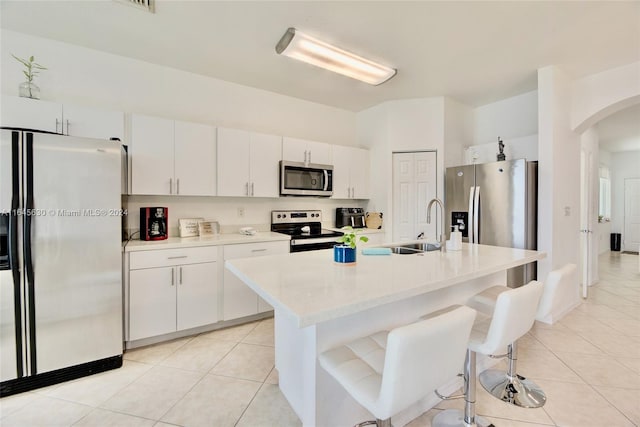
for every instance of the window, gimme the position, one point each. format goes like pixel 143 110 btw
pixel 604 207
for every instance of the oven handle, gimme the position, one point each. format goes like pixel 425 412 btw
pixel 302 242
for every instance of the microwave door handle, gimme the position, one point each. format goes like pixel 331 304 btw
pixel 326 180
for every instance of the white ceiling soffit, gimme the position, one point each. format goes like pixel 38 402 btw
pixel 140 4
pixel 620 131
pixel 475 52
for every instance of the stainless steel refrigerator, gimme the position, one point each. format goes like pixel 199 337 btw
pixel 496 204
pixel 60 262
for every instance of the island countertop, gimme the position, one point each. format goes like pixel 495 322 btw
pixel 311 288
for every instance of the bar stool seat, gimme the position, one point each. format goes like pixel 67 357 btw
pixel 387 372
pixel 513 316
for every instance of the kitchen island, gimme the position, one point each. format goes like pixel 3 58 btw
pixel 320 304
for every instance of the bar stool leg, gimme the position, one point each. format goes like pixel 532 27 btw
pixel 468 418
pixel 511 387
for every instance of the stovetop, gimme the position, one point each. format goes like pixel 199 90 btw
pixel 300 224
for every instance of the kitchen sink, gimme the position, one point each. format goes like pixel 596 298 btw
pixel 414 248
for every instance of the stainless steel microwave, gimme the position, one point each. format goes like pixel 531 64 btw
pixel 305 179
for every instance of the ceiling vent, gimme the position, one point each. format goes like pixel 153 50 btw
pixel 139 4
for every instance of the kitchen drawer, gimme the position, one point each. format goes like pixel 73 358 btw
pixel 246 250
pixel 168 257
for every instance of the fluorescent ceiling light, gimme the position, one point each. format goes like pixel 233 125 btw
pixel 295 44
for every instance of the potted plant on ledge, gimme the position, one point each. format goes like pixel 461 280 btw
pixel 345 251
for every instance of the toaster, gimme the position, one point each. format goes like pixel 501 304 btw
pixel 352 217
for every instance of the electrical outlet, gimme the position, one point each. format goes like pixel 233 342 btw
pixel 240 212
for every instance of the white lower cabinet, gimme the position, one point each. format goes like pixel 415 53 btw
pixel 172 290
pixel 238 299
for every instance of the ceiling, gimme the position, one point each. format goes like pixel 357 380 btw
pixel 475 52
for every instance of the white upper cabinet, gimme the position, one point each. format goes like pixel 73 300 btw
pixel 248 163
pixel 63 119
pixel 171 157
pixel 151 151
pixel 304 151
pixel 195 159
pixel 351 173
pixel 264 161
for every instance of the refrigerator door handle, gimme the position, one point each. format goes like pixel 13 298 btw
pixel 13 249
pixel 476 215
pixel 28 256
pixel 471 214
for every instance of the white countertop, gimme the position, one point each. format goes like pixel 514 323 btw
pixel 312 288
pixel 218 239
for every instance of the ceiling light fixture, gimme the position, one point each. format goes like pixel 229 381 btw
pixel 295 44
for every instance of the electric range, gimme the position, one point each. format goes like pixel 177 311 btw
pixel 305 229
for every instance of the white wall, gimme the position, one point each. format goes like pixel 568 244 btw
pixel 624 164
pixel 88 77
pixel 604 228
pixel 558 173
pixel 598 95
pixel 458 131
pixel 514 120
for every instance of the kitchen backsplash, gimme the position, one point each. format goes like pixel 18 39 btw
pixel 230 212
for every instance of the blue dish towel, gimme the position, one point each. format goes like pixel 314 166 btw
pixel 376 251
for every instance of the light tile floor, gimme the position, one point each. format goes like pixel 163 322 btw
pixel 588 364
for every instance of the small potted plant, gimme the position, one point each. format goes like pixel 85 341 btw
pixel 345 251
pixel 29 89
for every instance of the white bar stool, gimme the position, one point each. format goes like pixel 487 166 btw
pixel 510 386
pixel 513 316
pixel 389 371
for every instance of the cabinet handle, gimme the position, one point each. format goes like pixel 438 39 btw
pixel 246 188
pixel 170 185
pixel 180 275
pixel 57 122
pixel 305 156
pixel 176 257
pixel 353 192
pixel 178 186
pixel 67 127
pixel 173 276
pixel 252 188
pixel 259 250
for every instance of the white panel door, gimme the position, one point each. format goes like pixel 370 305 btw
pixel 197 295
pixel 404 202
pixel 195 159
pixel 631 236
pixel 264 164
pixel 31 114
pixel 233 162
pixel 152 302
pixel 414 185
pixel 151 151
pixel 341 172
pixel 91 123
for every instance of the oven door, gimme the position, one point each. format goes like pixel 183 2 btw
pixel 300 179
pixel 302 245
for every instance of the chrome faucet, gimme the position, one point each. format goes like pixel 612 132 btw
pixel 442 235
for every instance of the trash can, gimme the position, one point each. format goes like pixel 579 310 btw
pixel 615 241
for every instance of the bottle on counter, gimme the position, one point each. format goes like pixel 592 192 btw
pixel 456 239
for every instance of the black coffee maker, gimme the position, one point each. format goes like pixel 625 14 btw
pixel 154 223
pixel 352 217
